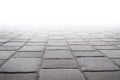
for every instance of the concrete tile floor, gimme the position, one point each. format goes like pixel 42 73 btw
pixel 60 54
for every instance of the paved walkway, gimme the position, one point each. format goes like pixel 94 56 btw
pixel 59 55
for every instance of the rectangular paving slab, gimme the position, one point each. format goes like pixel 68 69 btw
pixel 58 54
pixel 21 65
pixel 96 64
pixel 6 54
pixel 61 74
pixel 103 75
pixel 87 53
pixel 28 55
pixel 81 47
pixel 111 53
pixel 32 48
pixel 59 63
pixel 30 76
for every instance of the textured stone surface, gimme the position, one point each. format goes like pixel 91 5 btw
pixel 105 47
pixel 111 53
pixel 9 76
pixel 61 74
pixel 58 54
pixel 32 48
pixel 81 47
pixel 96 64
pixel 5 54
pixel 117 61
pixel 8 48
pixel 28 55
pixel 1 62
pixel 60 63
pixel 57 48
pixel 103 75
pixel 21 65
pixel 87 53
pixel 14 44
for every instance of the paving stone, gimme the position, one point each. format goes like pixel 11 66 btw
pixel 92 39
pixel 21 65
pixel 8 48
pixel 105 47
pixel 56 37
pixel 58 54
pixel 117 61
pixel 81 47
pixel 96 64
pixel 32 48
pixel 98 43
pixel 30 76
pixel 102 75
pixel 111 53
pixel 28 55
pixel 69 40
pixel 110 39
pixel 118 46
pixel 59 63
pixel 19 40
pixel 116 42
pixel 35 44
pixel 1 44
pixel 5 54
pixel 38 40
pixel 4 40
pixel 61 74
pixel 1 62
pixel 77 42
pixel 87 53
pixel 14 44
pixel 57 48
pixel 56 43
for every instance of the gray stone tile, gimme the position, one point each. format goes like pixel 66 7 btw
pixel 69 40
pixel 61 74
pixel 81 47
pixel 102 75
pixel 1 62
pixel 57 48
pixel 105 47
pixel 117 61
pixel 111 53
pixel 96 64
pixel 110 39
pixel 98 43
pixel 58 54
pixel 114 42
pixel 118 46
pixel 57 43
pixel 30 76
pixel 87 53
pixel 21 65
pixel 4 40
pixel 59 63
pixel 77 42
pixel 28 55
pixel 14 44
pixel 32 48
pixel 8 48
pixel 35 44
pixel 5 54
pixel 92 39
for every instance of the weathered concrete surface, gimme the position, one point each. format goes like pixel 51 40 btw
pixel 60 54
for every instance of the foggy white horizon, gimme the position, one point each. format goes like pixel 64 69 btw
pixel 59 13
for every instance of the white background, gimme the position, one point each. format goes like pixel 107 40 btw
pixel 60 12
